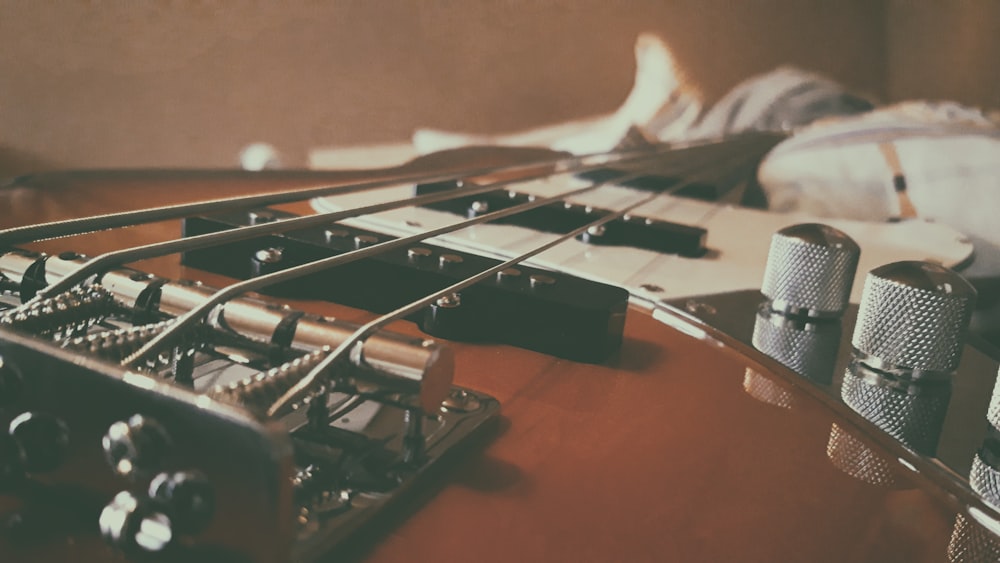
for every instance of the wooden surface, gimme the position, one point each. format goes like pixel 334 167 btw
pixel 659 455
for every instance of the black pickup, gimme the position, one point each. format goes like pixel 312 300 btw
pixel 563 217
pixel 537 309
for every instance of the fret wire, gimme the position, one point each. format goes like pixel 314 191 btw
pixel 253 284
pixel 69 227
pixel 300 390
pixel 118 257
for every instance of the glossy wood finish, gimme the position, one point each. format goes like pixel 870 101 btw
pixel 660 455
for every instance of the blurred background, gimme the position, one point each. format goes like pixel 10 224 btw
pixel 190 82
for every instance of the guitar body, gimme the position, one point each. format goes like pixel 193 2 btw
pixel 662 453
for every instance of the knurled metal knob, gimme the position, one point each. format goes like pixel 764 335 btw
pixel 911 412
pixel 807 348
pixel 810 270
pixel 985 474
pixel 913 316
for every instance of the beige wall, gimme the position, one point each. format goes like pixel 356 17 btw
pixel 944 50
pixel 189 82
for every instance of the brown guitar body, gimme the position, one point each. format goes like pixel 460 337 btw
pixel 658 455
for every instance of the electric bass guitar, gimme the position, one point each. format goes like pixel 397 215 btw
pixel 486 355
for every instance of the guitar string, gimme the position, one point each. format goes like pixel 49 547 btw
pixel 114 258
pixel 304 386
pixel 194 315
pixel 80 225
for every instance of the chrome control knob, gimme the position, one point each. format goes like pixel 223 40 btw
pixel 807 348
pixel 984 477
pixel 810 270
pixel 188 498
pixel 131 523
pixel 135 446
pixel 913 412
pixel 43 441
pixel 913 317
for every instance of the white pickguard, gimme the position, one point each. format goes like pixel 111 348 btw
pixel 737 237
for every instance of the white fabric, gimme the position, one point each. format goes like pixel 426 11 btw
pixel 658 95
pixel 950 158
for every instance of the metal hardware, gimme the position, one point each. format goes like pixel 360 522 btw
pixel 331 234
pixel 908 412
pixel 268 255
pixel 541 280
pixel 404 360
pixel 449 259
pixel 580 322
pixel 418 252
pixel 136 446
pixel 362 241
pixel 261 216
pixel 63 314
pixel 450 301
pixel 913 316
pixel 810 270
pixel 460 400
pixel 130 523
pixel 260 390
pixel 509 274
pixel 188 497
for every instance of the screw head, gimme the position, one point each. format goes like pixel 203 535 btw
pixel 269 255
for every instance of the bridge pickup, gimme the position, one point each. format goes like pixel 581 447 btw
pixel 563 217
pixel 537 309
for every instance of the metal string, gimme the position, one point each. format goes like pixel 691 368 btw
pixel 81 225
pixel 194 315
pixel 118 257
pixel 303 388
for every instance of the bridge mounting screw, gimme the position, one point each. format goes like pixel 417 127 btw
pixel 269 255
pixel 449 301
pixel 261 216
pixel 508 274
pixel 541 280
pixel 418 253
pixel 361 241
pixel 449 259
